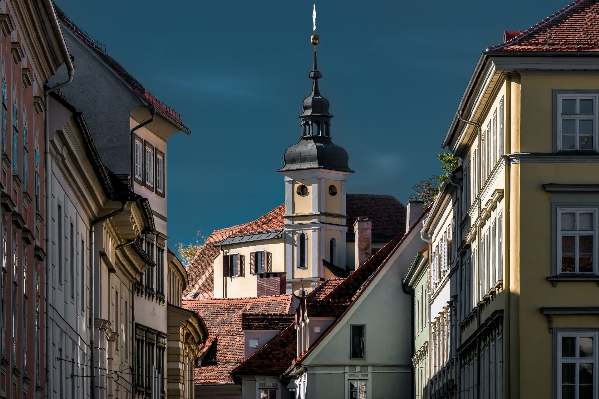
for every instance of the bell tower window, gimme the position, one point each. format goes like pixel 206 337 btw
pixel 327 131
pixel 315 128
pixel 333 251
pixel 302 251
pixel 302 190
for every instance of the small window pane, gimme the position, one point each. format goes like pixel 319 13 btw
pixel 585 142
pixel 569 126
pixel 586 391
pixel 568 219
pixel 568 107
pixel 568 373
pixel 585 259
pixel 586 107
pixel 585 221
pixel 568 142
pixel 586 346
pixel 568 346
pixel 585 373
pixel 585 127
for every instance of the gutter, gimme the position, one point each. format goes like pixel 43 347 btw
pixel 47 165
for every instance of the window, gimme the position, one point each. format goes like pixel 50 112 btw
pixel 4 115
pixel 254 342
pixel 315 128
pixel 576 122
pixel 37 181
pixel 302 251
pixel 72 260
pixel 333 251
pixel 59 243
pixel 149 165
pixel 358 337
pixel 357 389
pixel 233 265
pixel 268 394
pixel 159 172
pixel 138 164
pixel 260 262
pixel 160 270
pixel 576 240
pixel 302 190
pixel 576 366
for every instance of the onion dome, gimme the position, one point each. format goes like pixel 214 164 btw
pixel 315 149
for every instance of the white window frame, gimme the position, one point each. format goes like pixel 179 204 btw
pixel 149 165
pixel 559 360
pixel 138 165
pixel 160 175
pixel 364 380
pixel 558 261
pixel 558 117
pixel 267 384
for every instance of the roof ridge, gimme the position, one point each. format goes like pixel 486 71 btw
pixel 539 25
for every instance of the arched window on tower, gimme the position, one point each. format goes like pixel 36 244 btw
pixel 327 131
pixel 302 251
pixel 315 128
pixel 333 251
pixel 305 129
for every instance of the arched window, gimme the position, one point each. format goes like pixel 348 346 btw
pixel 327 131
pixel 305 129
pixel 315 128
pixel 302 251
pixel 333 251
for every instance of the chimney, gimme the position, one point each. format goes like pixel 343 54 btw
pixel 363 240
pixel 414 211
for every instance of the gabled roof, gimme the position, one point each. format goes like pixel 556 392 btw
pixel 574 28
pixel 224 321
pixel 167 112
pixel 388 217
pixel 331 299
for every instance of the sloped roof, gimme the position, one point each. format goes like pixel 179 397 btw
pixel 167 112
pixel 574 28
pixel 388 219
pixel 332 299
pixel 223 319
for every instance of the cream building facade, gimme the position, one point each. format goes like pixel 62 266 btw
pixel 522 209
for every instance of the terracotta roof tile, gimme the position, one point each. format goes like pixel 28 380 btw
pixel 388 219
pixel 261 321
pixel 223 319
pixel 574 28
pixel 273 358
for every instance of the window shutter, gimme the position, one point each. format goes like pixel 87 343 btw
pixel 252 263
pixel 226 266
pixel 241 265
pixel 268 261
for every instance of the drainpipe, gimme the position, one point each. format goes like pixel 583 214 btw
pixel 92 292
pixel 152 113
pixel 47 167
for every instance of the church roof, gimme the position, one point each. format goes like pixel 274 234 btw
pixel 574 28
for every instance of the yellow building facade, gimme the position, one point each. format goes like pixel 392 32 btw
pixel 521 249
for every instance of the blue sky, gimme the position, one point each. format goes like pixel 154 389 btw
pixel 237 71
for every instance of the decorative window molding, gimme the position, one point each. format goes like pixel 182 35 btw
pixel 575 120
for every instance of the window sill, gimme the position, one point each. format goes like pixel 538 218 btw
pixel 575 277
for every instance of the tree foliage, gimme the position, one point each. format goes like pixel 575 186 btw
pixel 188 251
pixel 426 190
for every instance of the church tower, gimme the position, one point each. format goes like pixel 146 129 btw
pixel 315 171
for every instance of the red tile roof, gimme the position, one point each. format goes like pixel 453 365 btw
pixel 223 318
pixel 574 28
pixel 332 299
pixel 388 219
pixel 388 215
pixel 262 321
pixel 200 269
pixel 117 68
pixel 274 357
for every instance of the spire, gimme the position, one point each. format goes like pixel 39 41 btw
pixel 315 149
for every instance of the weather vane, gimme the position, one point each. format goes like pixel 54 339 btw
pixel 314 39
